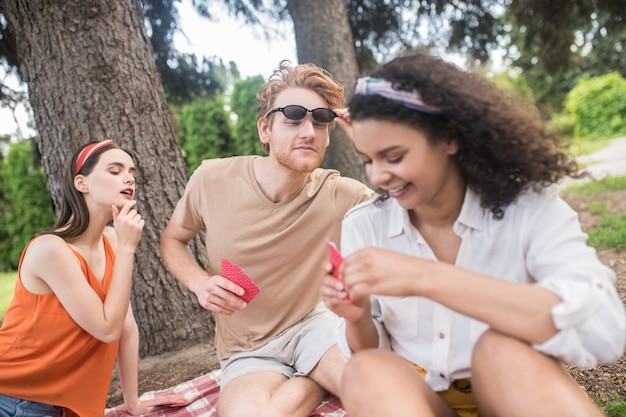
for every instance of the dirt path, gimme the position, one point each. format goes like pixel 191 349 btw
pixel 608 161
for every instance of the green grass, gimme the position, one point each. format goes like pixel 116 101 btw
pixel 611 231
pixel 615 408
pixel 598 187
pixel 7 285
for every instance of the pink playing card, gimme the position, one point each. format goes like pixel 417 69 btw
pixel 234 273
pixel 335 260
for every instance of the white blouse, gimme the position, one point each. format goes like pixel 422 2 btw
pixel 539 241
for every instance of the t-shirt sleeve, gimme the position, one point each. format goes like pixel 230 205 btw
pixel 189 208
pixel 349 192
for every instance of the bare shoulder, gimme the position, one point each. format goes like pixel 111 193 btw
pixel 45 255
pixel 45 250
pixel 48 245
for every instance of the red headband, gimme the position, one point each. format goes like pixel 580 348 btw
pixel 88 151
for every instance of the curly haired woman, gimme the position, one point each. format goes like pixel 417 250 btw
pixel 469 282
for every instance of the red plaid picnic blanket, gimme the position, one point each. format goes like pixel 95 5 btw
pixel 202 393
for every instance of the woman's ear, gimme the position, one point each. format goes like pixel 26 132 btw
pixel 452 141
pixel 80 183
pixel 453 146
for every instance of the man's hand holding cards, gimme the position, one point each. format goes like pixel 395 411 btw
pixel 234 273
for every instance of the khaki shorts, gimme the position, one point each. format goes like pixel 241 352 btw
pixel 294 353
pixel 458 396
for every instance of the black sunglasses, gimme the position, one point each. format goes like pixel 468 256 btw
pixel 296 112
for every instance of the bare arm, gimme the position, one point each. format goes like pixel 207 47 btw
pixel 214 292
pixel 519 310
pixel 128 367
pixel 51 266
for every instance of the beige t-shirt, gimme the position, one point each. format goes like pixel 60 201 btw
pixel 281 246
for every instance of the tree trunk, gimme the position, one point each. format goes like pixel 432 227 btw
pixel 91 76
pixel 324 37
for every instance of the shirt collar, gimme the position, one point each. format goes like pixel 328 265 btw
pixel 471 216
pixel 398 219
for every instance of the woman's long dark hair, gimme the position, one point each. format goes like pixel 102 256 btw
pixel 74 215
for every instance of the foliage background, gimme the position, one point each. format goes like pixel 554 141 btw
pixel 212 127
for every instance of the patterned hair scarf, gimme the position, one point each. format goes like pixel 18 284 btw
pixel 411 99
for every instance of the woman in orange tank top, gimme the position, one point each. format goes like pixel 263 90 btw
pixel 70 316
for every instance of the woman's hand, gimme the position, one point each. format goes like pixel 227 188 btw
pixel 336 297
pixel 381 272
pixel 140 407
pixel 128 225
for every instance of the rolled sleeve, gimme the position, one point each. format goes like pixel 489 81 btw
pixel 591 323
pixel 591 318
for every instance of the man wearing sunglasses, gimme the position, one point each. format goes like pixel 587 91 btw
pixel 272 216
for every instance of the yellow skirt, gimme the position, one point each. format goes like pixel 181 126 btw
pixel 458 396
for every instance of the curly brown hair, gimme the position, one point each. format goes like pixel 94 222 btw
pixel 504 145
pixel 308 76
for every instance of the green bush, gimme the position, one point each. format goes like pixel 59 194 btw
pixel 7 286
pixel 562 124
pixel 26 205
pixel 205 131
pixel 243 103
pixel 208 129
pixel 598 106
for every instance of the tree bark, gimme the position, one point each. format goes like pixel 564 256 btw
pixel 91 76
pixel 324 37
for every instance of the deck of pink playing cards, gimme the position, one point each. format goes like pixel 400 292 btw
pixel 234 273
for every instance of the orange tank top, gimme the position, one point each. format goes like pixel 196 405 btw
pixel 46 357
